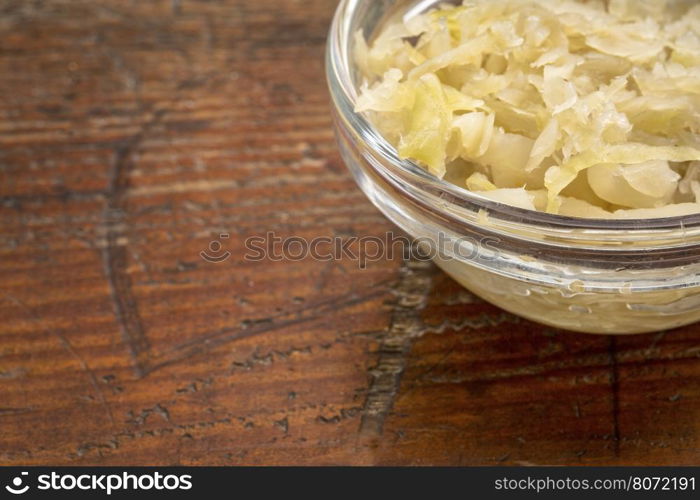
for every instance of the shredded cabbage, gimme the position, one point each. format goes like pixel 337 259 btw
pixel 580 107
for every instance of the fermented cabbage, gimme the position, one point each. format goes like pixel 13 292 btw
pixel 582 108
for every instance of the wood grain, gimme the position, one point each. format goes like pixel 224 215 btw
pixel 135 134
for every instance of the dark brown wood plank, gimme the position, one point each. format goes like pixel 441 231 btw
pixel 135 134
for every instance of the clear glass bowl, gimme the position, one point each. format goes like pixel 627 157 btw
pixel 596 276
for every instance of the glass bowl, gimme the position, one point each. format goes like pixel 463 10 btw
pixel 587 275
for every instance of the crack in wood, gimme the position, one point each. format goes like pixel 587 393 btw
pixel 18 200
pixel 411 292
pixel 615 396
pixel 114 252
pixel 65 343
pixel 142 417
pixel 15 411
pixel 260 418
pixel 224 336
pixel 258 359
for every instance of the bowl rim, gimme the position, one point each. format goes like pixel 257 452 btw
pixel 344 95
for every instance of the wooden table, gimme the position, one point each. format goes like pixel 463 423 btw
pixel 135 135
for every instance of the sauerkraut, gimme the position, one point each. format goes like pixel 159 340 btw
pixel 581 108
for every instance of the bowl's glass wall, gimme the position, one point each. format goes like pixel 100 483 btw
pixel 579 274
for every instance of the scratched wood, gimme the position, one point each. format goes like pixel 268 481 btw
pixel 132 136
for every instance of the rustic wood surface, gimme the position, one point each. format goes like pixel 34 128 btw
pixel 133 134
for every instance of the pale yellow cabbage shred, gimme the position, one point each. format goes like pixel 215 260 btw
pixel 582 108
